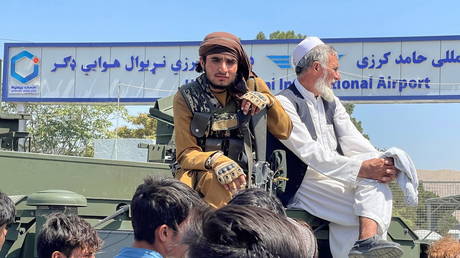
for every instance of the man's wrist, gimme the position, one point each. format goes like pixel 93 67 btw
pixel 211 160
pixel 362 172
pixel 271 101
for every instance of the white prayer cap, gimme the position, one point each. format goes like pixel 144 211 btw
pixel 304 47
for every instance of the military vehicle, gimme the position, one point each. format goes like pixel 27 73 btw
pixel 100 190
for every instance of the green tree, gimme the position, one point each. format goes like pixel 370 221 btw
pixel 69 129
pixel 290 34
pixel 261 36
pixel 7 107
pixel 350 108
pixel 145 127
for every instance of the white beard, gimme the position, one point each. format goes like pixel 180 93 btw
pixel 325 89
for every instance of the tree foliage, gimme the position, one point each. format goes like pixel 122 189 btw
pixel 145 128
pixel 261 36
pixel 290 34
pixel 7 107
pixel 350 108
pixel 69 129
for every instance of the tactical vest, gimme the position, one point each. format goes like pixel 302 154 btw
pixel 215 127
pixel 296 168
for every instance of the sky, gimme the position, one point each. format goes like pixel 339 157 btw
pixel 430 133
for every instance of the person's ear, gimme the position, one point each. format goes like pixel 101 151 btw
pixel 57 254
pixel 202 63
pixel 316 66
pixel 161 233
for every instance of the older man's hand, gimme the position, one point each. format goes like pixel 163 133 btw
pixel 381 169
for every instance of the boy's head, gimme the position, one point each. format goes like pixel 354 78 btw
pixel 67 236
pixel 7 216
pixel 160 211
pixel 259 198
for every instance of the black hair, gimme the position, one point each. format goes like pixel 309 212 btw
pixel 159 202
pixel 65 233
pixel 259 198
pixel 247 231
pixel 7 210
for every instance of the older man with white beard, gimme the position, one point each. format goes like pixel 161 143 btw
pixel 327 176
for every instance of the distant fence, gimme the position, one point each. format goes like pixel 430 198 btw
pixel 438 211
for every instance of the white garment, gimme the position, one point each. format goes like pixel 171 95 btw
pixel 331 189
pixel 407 178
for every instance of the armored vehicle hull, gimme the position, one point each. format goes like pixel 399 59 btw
pixel 108 186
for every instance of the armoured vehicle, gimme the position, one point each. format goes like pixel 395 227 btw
pixel 100 190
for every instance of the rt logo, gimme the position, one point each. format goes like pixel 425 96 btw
pixel 21 64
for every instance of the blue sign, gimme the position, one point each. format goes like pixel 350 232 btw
pixel 372 69
pixel 15 59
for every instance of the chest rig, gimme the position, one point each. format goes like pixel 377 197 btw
pixel 215 127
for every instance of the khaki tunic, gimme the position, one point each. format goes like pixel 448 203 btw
pixel 192 158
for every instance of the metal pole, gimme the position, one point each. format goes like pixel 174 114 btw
pixel 118 118
pixel 20 109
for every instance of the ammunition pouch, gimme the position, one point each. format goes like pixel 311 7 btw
pixel 214 144
pixel 200 123
pixel 231 147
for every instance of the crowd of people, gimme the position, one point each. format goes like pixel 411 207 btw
pixel 170 219
pixel 208 210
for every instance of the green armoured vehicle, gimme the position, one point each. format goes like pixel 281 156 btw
pixel 100 191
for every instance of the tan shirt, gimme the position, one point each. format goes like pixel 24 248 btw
pixel 190 156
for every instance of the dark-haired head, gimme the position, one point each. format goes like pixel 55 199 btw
pixel 162 210
pixel 67 235
pixel 247 231
pixel 259 198
pixel 7 210
pixel 161 201
pixel 7 215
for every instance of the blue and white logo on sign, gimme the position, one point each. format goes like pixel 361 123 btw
pixel 26 59
pixel 282 62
